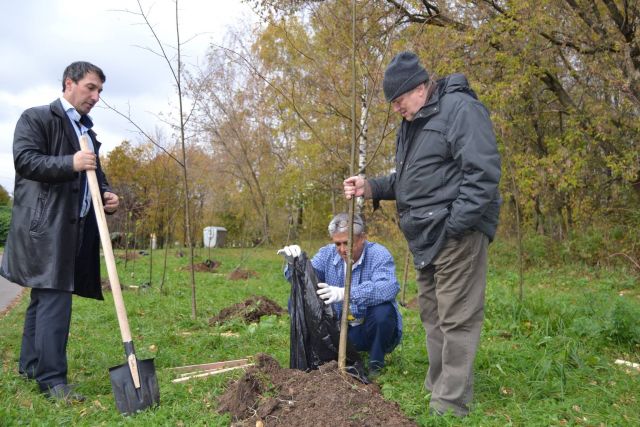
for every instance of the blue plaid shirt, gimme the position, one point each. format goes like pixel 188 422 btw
pixel 373 279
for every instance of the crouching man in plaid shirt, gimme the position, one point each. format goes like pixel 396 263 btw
pixel 375 323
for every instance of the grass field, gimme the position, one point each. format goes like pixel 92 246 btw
pixel 548 361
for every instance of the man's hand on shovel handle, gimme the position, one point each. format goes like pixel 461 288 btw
pixel 84 160
pixel 110 201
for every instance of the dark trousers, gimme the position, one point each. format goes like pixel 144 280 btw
pixel 43 355
pixel 377 335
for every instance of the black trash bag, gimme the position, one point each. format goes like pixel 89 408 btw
pixel 315 331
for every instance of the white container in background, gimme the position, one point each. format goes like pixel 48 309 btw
pixel 214 237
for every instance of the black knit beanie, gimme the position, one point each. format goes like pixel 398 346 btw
pixel 403 74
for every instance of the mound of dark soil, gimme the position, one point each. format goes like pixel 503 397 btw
pixel 207 266
pixel 106 286
pixel 273 396
pixel 128 255
pixel 251 310
pixel 240 274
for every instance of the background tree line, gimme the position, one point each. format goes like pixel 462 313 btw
pixel 5 214
pixel 269 133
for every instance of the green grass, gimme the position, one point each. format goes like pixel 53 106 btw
pixel 548 360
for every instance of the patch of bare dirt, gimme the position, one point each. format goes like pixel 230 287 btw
pixel 240 274
pixel 273 396
pixel 128 256
pixel 106 286
pixel 251 310
pixel 412 304
pixel 207 266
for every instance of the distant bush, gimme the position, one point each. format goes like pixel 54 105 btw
pixel 622 326
pixel 539 250
pixel 5 198
pixel 5 220
pixel 595 246
pixel 590 247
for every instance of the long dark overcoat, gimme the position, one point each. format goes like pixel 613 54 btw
pixel 42 244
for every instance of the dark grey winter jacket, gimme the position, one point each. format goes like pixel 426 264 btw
pixel 447 171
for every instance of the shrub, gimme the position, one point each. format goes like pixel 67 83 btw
pixel 589 246
pixel 5 220
pixel 539 250
pixel 622 326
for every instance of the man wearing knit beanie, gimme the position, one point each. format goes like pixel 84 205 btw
pixel 403 74
pixel 445 186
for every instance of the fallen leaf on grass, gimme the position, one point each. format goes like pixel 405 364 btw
pixel 507 391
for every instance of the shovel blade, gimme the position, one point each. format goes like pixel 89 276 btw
pixel 130 399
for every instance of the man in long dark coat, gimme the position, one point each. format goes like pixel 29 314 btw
pixel 53 244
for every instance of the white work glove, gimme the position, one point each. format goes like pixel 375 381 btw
pixel 290 252
pixel 330 294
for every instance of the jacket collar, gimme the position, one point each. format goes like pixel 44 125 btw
pixel 452 83
pixel 69 133
pixel 85 120
pixel 57 109
pixel 432 106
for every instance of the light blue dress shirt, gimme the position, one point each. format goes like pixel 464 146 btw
pixel 75 117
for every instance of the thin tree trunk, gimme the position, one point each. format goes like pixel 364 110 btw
pixel 151 242
pixel 515 192
pixel 342 348
pixel 135 245
pixel 127 224
pixel 185 177
pixel 362 150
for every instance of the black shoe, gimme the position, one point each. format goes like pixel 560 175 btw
pixel 62 392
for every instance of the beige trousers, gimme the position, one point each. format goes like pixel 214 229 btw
pixel 451 301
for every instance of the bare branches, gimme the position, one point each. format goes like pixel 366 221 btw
pixel 431 16
pixel 290 99
pixel 164 54
pixel 635 263
pixel 142 131
pixel 556 87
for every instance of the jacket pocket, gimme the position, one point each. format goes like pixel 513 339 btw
pixel 422 226
pixel 39 213
pixel 436 125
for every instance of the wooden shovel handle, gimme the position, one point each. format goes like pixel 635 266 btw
pixel 101 219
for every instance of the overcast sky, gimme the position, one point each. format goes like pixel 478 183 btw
pixel 39 38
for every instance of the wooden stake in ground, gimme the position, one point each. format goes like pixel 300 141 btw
pixel 189 372
pixel 403 301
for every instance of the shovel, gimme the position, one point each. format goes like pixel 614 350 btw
pixel 134 383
